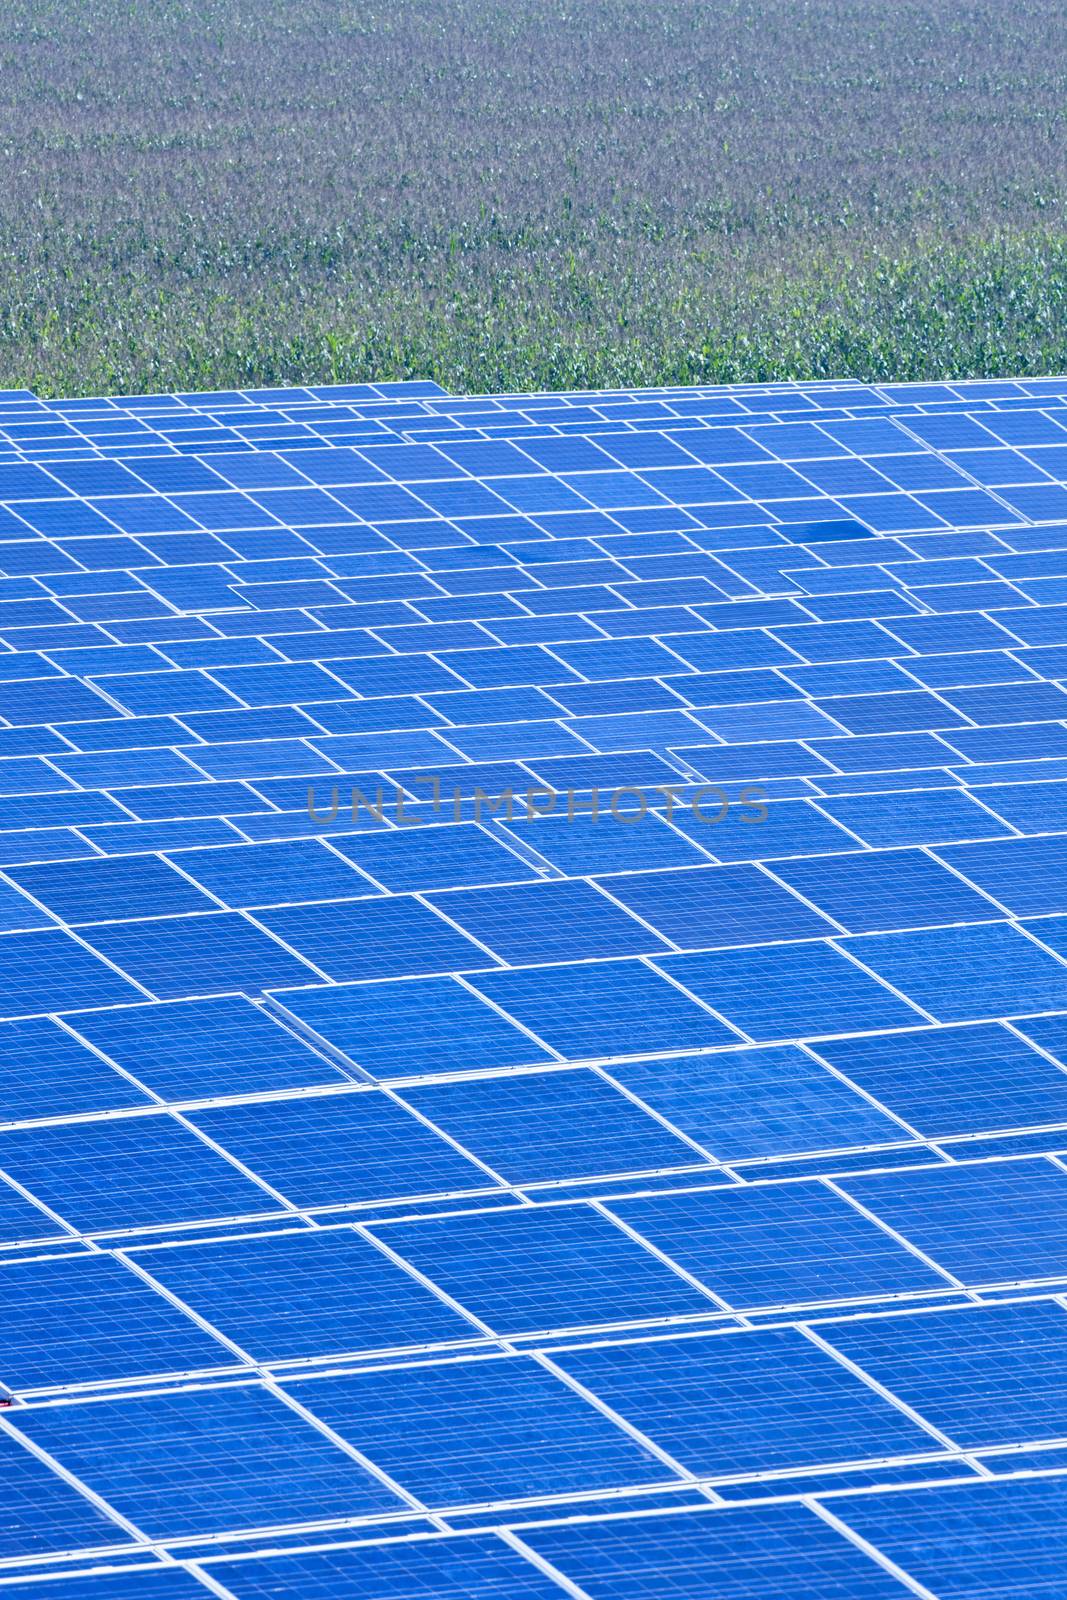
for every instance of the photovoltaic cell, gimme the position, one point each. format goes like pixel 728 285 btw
pixel 476 1431
pixel 993 1534
pixel 86 1319
pixel 634 1557
pixel 185 1463
pixel 282 1297
pixel 546 1126
pixel 761 1246
pixel 44 1515
pixel 135 1583
pixel 520 1271
pixel 339 1148
pixel 741 1105
pixel 745 1403
pixel 532 985
pixel 192 1049
pixel 437 1569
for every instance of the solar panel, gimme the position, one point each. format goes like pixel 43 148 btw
pixel 533 993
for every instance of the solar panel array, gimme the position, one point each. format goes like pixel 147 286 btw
pixel 534 979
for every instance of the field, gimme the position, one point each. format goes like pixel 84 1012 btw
pixel 529 194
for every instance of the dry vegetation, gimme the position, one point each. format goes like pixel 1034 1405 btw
pixel 529 193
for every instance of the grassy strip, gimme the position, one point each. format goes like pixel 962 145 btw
pixel 944 308
pixel 514 196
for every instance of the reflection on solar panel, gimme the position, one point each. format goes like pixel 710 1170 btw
pixel 533 994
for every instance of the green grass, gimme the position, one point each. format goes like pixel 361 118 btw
pixel 536 195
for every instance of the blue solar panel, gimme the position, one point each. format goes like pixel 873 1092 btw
pixel 752 1402
pixel 533 993
pixel 184 1463
pixel 990 1534
pixel 766 1246
pixel 433 1569
pixel 87 1319
pixel 761 1550
pixel 471 1432
pixel 288 1296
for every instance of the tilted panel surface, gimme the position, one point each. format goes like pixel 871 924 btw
pixel 533 993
